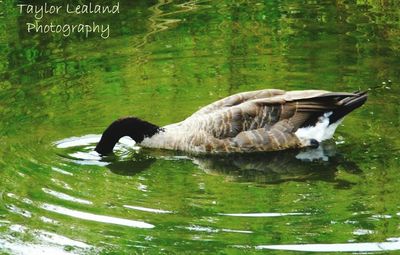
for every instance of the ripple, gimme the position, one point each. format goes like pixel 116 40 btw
pixel 91 140
pixel 60 240
pixel 145 209
pixel 202 229
pixel 17 210
pixel 360 232
pixel 338 247
pixel 18 228
pixel 61 183
pixel 261 214
pixel 50 243
pixel 86 155
pixel 65 196
pixel 95 217
pixel 381 216
pixel 56 169
pixel 25 200
pixel 32 249
pixel 48 220
pixel 83 152
pixel 237 231
pixel 213 230
pixel 77 141
pixel 85 162
pixel 74 213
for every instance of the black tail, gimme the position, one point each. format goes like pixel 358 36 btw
pixel 348 104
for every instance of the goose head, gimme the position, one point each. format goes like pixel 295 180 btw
pixel 133 127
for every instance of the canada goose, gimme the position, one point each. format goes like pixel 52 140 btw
pixel 262 120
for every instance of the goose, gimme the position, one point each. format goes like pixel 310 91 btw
pixel 261 120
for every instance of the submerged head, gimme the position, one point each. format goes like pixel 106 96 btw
pixel 133 127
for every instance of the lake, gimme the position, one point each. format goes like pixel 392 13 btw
pixel 162 61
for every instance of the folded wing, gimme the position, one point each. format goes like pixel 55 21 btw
pixel 267 120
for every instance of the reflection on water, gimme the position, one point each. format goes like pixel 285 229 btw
pixel 309 164
pixel 160 21
pixel 272 167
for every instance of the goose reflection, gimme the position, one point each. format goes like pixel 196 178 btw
pixel 320 163
pixel 137 163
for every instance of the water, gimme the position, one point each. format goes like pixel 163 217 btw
pixel 162 62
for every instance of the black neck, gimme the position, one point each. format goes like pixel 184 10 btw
pixel 133 127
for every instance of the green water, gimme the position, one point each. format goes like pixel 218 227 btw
pixel 162 61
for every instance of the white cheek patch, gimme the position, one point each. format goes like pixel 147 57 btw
pixel 321 131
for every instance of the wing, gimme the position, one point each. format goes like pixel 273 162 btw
pixel 279 137
pixel 237 99
pixel 266 123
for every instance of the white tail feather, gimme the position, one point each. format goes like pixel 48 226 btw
pixel 321 131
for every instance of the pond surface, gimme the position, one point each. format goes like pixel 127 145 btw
pixel 162 61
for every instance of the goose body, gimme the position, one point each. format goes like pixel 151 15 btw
pixel 262 120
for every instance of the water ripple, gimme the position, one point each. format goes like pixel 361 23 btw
pixel 18 247
pixel 50 243
pixel 144 209
pixel 56 169
pixel 338 247
pixel 77 141
pixel 65 196
pixel 262 214
pixel 17 210
pixel 213 230
pixel 59 239
pixel 80 150
pixel 95 217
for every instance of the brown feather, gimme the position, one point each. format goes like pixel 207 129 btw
pixel 263 120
